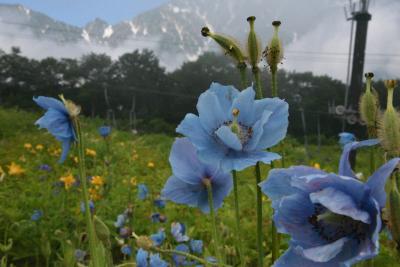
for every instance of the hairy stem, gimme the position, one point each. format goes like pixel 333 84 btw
pixel 239 243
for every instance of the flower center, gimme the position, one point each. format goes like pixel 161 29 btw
pixel 243 132
pixel 331 226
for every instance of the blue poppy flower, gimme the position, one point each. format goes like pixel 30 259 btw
pixel 187 184
pixel 80 255
pixel 57 121
pixel 233 129
pixel 121 218
pixel 156 261
pixel 159 203
pixel 141 258
pixel 143 191
pixel 346 138
pixel 333 220
pixel 126 250
pixel 91 206
pixel 158 238
pixel 196 246
pixel 178 231
pixel 37 215
pixel 104 131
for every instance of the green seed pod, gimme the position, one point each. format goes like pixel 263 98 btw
pixel 394 207
pixel 253 44
pixel 274 51
pixel 228 44
pixel 369 106
pixel 389 125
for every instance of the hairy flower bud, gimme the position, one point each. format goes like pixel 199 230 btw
pixel 389 125
pixel 274 51
pixel 369 106
pixel 253 44
pixel 228 44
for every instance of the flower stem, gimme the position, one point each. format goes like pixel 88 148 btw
pixel 259 217
pixel 274 83
pixel 257 78
pixel 239 243
pixel 243 76
pixel 82 175
pixel 214 223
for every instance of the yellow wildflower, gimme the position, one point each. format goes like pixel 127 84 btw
pixel 94 194
pixel 68 181
pixel 317 166
pixel 15 169
pixel 97 180
pixel 133 181
pixel 27 146
pixel 91 152
pixel 39 147
pixel 151 164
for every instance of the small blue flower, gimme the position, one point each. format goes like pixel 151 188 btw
pixel 156 261
pixel 141 258
pixel 159 203
pixel 187 184
pixel 158 238
pixel 121 218
pixel 333 220
pixel 346 138
pixel 91 205
pixel 104 131
pixel 126 250
pixel 125 232
pixel 233 129
pixel 196 246
pixel 80 255
pixel 143 191
pixel 45 167
pixel 37 215
pixel 178 231
pixel 57 121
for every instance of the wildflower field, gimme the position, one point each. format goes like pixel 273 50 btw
pixel 40 210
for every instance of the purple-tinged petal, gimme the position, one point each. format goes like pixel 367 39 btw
pixel 323 253
pixel 229 139
pixel 378 180
pixel 339 203
pixel 344 164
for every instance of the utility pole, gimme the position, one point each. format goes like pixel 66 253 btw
pixel 361 16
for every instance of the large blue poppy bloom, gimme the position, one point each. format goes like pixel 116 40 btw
pixel 233 129
pixel 57 121
pixel 333 219
pixel 187 184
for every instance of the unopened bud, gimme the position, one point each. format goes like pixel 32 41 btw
pixel 274 51
pixel 228 44
pixel 369 105
pixel 389 125
pixel 144 242
pixel 253 44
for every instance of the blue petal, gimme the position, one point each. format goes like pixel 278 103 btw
pixel 225 93
pixel 276 127
pixel 66 144
pixel 57 123
pixel 182 192
pixel 191 127
pixel 230 139
pixel 156 261
pixel 141 258
pixel 245 104
pixel 258 131
pixel 344 164
pixel 278 182
pixel 292 259
pixel 50 102
pixel 339 203
pixel 241 160
pixel 378 180
pixel 185 163
pixel 323 253
pixel 211 113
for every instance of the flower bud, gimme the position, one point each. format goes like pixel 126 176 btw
pixel 253 44
pixel 389 125
pixel 394 217
pixel 274 51
pixel 71 107
pixel 144 242
pixel 228 44
pixel 369 105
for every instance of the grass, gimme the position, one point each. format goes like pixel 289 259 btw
pixel 53 239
